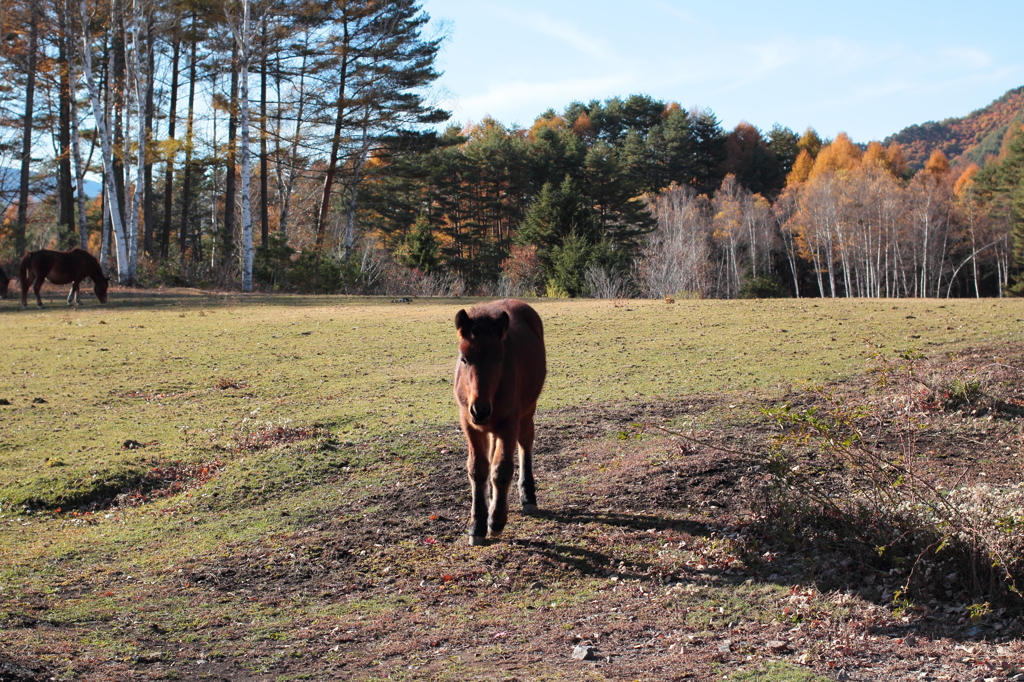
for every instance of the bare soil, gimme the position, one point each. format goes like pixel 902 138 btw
pixel 642 552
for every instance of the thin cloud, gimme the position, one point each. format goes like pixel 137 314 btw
pixel 565 32
pixel 966 57
pixel 681 14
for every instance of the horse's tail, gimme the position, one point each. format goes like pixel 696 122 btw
pixel 23 268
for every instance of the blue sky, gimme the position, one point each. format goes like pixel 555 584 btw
pixel 868 68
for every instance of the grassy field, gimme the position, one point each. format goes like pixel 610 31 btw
pixel 237 480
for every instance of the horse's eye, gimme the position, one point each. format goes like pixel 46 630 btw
pixel 464 361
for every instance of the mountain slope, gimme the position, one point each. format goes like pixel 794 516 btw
pixel 967 139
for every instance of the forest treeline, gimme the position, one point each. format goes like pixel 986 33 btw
pixel 298 146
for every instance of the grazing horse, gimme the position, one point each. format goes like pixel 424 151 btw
pixel 61 267
pixel 4 282
pixel 498 378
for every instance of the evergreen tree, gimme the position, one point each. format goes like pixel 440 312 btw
pixel 421 247
pixel 554 215
pixel 784 144
pixel 674 149
pixel 1002 185
pixel 709 152
pixel 616 117
pixel 569 263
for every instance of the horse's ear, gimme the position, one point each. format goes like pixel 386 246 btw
pixel 501 324
pixel 463 323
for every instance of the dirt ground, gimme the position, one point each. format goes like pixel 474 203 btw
pixel 633 564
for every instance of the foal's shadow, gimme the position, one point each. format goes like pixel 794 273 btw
pixel 639 522
pixel 590 562
pixel 584 561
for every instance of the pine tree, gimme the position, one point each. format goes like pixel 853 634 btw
pixel 675 149
pixel 422 249
pixel 1002 185
pixel 709 153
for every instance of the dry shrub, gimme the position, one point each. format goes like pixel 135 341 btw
pixel 273 435
pixel 846 476
pixel 167 479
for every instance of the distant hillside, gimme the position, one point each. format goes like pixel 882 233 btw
pixel 967 139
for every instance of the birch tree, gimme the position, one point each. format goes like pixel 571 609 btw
pixel 111 201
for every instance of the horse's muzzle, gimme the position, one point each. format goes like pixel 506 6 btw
pixel 480 412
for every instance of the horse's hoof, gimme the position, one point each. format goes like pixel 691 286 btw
pixel 529 508
pixel 477 540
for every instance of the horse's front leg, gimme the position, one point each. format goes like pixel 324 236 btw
pixel 502 468
pixel 478 468
pixel 73 296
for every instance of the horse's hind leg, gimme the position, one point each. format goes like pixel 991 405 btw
pixel 35 288
pixel 527 487
pixel 73 296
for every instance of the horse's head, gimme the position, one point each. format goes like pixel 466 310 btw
pixel 481 353
pixel 101 283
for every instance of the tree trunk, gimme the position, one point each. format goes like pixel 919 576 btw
pixel 105 227
pixel 116 80
pixel 26 139
pixel 108 152
pixel 287 186
pixel 247 247
pixel 65 188
pixel 186 189
pixel 264 198
pixel 339 120
pixel 76 149
pixel 228 234
pixel 139 62
pixel 172 107
pixel 147 181
pixel 357 176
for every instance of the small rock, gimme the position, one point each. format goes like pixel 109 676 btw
pixel 725 646
pixel 132 445
pixel 4 401
pixel 910 640
pixel 777 646
pixel 584 653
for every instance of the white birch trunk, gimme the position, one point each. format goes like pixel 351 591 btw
pixel 76 154
pixel 108 151
pixel 350 221
pixel 140 105
pixel 246 180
